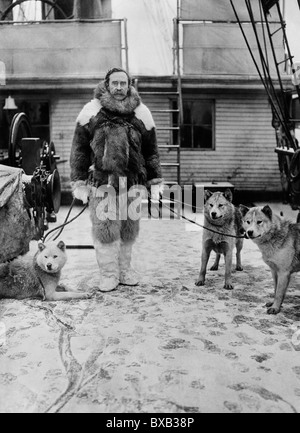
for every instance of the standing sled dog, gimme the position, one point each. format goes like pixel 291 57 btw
pixel 279 243
pixel 220 215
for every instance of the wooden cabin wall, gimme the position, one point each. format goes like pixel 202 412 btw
pixel 244 146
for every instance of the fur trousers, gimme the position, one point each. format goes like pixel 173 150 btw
pixel 114 216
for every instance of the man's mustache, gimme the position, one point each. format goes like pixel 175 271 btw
pixel 121 92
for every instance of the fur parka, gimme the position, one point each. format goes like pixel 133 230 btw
pixel 117 139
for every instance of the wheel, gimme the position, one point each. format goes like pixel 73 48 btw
pixel 35 10
pixel 19 128
pixel 53 193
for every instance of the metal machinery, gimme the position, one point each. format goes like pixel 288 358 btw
pixel 36 160
pixel 47 9
pixel 53 9
pixel 285 102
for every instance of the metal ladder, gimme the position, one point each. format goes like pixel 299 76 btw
pixel 172 145
pixel 174 132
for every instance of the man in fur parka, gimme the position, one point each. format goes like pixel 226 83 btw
pixel 114 146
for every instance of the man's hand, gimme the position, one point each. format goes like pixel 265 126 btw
pixel 156 188
pixel 81 191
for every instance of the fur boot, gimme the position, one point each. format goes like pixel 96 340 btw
pixel 128 276
pixel 108 261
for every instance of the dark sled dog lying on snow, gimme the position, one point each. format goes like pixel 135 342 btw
pixel 279 242
pixel 38 278
pixel 222 216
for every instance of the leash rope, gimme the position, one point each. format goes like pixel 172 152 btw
pixel 196 223
pixel 182 203
pixel 65 223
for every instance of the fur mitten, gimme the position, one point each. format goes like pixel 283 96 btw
pixel 81 191
pixel 156 187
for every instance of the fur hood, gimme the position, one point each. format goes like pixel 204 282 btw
pixel 132 104
pixel 127 106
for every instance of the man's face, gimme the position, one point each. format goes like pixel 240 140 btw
pixel 118 85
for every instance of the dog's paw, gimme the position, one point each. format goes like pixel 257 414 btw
pixel 239 268
pixel 273 310
pixel 228 286
pixel 87 295
pixel 269 304
pixel 214 268
pixel 200 283
pixel 61 288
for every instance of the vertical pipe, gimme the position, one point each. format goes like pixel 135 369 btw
pixel 174 47
pixel 179 90
pixel 283 9
pixel 126 44
pixel 100 9
pixel 178 9
pixel 77 9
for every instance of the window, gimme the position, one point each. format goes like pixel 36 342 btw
pixel 198 124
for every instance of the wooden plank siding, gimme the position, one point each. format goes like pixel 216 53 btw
pixel 64 111
pixel 244 141
pixel 244 147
